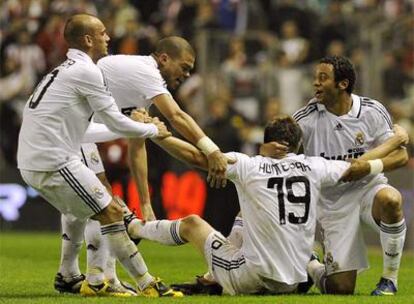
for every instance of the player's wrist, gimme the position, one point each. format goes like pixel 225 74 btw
pixel 376 166
pixel 207 146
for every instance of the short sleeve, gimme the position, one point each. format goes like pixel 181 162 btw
pixel 237 171
pixel 380 122
pixel 330 171
pixel 92 86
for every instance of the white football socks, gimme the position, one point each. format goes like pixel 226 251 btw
pixel 392 240
pixel 72 240
pixel 127 253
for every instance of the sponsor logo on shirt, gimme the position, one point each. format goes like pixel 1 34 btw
pixel 352 153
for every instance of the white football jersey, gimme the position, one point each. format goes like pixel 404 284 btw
pixel 278 202
pixel 133 80
pixel 58 112
pixel 363 128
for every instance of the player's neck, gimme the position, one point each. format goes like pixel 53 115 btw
pixel 341 106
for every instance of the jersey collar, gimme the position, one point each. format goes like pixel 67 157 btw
pixel 76 54
pixel 353 112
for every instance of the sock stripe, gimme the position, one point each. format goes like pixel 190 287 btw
pixel 112 228
pixel 238 222
pixel 174 233
pixel 392 230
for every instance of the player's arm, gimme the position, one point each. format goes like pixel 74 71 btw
pixel 361 168
pixel 189 129
pixel 394 143
pixel 137 157
pixel 183 151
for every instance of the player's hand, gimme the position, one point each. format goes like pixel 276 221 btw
pixel 217 166
pixel 141 115
pixel 147 212
pixel 274 149
pixel 401 134
pixel 162 129
pixel 357 170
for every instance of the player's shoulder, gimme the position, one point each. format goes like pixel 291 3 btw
pixel 86 72
pixel 307 111
pixel 371 108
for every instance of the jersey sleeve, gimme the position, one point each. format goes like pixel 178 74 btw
pixel 153 86
pixel 237 171
pixel 330 171
pixel 380 122
pixel 91 85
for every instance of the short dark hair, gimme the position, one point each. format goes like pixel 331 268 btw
pixel 284 128
pixel 174 47
pixel 343 69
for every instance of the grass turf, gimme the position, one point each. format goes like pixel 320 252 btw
pixel 28 263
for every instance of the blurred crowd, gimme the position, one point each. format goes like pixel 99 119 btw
pixel 254 61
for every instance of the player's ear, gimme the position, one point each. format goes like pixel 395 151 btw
pixel 163 58
pixel 87 39
pixel 343 84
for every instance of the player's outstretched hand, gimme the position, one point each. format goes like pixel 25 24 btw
pixel 217 166
pixel 357 170
pixel 162 129
pixel 274 149
pixel 401 134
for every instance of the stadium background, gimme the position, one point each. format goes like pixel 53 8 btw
pixel 254 60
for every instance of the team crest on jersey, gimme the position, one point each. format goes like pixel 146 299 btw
pixel 359 139
pixel 94 158
pixel 98 192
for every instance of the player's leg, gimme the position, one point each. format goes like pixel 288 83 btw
pixel 69 277
pixel 236 234
pixel 344 246
pixel 387 212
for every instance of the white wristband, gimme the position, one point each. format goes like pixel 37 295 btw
pixel 376 166
pixel 207 146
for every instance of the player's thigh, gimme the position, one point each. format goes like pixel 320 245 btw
pixel 195 230
pixel 91 158
pixel 228 266
pixel 342 236
pixel 371 206
pixel 74 189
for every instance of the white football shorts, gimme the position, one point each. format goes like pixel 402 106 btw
pixel 229 268
pixel 343 239
pixel 90 157
pixel 74 189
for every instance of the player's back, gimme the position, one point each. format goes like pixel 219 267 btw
pixel 278 203
pixel 133 80
pixel 56 115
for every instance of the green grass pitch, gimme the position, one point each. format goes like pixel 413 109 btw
pixel 28 263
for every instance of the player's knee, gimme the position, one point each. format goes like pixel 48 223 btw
pixel 336 286
pixel 189 224
pixel 390 201
pixel 112 213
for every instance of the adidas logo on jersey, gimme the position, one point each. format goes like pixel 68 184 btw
pixel 338 127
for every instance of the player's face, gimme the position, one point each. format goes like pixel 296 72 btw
pixel 99 39
pixel 175 71
pixel 326 90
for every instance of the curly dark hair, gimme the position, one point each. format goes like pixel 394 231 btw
pixel 284 128
pixel 343 69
